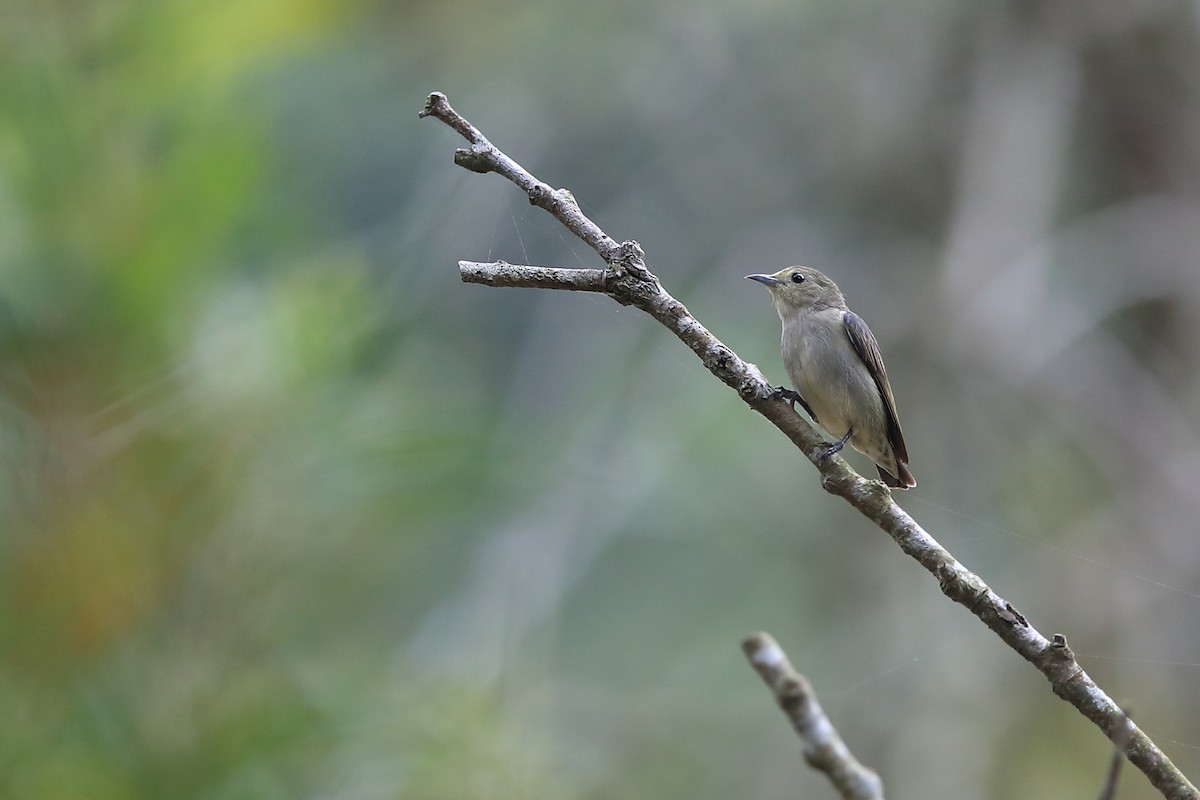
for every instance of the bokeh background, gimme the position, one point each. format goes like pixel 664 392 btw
pixel 287 511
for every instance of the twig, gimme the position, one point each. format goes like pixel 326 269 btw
pixel 629 281
pixel 501 273
pixel 823 747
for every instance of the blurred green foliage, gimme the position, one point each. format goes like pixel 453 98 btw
pixel 287 511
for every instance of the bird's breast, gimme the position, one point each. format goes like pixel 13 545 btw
pixel 829 374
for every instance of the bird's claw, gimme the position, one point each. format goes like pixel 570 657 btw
pixel 837 446
pixel 793 397
pixel 782 393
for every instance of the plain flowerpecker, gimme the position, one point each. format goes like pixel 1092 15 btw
pixel 834 362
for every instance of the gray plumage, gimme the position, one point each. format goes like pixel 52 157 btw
pixel 836 368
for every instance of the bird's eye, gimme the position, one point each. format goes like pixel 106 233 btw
pixel 797 277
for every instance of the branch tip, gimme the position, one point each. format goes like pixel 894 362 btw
pixel 823 747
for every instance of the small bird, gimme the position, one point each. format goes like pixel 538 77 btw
pixel 834 362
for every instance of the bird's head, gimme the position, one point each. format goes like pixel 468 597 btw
pixel 801 289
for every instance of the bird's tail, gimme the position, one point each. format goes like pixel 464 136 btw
pixel 904 480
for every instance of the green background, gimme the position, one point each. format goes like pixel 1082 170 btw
pixel 287 511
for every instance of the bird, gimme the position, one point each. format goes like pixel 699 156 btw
pixel 835 365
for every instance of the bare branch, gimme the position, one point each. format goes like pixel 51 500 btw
pixel 483 156
pixel 501 273
pixel 823 747
pixel 629 281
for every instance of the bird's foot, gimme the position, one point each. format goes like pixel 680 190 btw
pixel 781 393
pixel 837 446
pixel 793 397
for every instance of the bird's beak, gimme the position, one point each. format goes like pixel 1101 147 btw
pixel 765 280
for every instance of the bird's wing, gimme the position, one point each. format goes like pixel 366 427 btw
pixel 868 350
